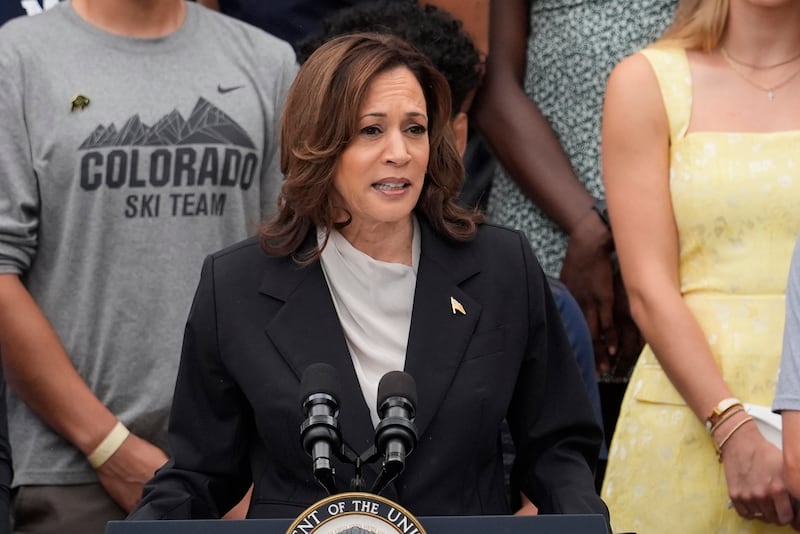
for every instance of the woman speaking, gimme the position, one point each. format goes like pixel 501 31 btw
pixel 370 266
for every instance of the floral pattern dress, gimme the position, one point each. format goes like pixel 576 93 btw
pixel 735 197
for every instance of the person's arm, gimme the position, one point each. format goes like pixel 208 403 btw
pixel 636 169
pixel 791 458
pixel 791 450
pixel 39 371
pixel 525 144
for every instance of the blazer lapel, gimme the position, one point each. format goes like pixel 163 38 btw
pixel 442 322
pixel 306 330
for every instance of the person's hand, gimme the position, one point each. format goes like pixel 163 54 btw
pixel 124 474
pixel 527 508
pixel 588 273
pixel 240 510
pixel 754 472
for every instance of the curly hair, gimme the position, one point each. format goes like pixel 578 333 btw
pixel 430 30
pixel 320 118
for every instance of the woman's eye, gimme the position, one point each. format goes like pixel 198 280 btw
pixel 417 129
pixel 370 130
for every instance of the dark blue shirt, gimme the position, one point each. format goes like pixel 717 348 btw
pixel 13 8
pixel 10 9
pixel 291 20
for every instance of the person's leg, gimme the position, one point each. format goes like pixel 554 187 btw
pixel 75 509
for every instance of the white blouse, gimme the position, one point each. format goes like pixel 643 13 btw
pixel 373 300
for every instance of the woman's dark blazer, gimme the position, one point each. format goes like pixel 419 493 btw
pixel 258 321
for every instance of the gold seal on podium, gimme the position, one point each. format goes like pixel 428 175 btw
pixel 356 513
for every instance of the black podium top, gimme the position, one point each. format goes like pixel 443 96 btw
pixel 541 524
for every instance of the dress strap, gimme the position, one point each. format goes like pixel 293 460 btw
pixel 671 67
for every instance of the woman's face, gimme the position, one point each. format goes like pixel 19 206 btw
pixel 379 176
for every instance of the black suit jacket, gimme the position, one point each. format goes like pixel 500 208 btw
pixel 258 321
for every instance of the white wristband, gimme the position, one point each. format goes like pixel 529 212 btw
pixel 110 444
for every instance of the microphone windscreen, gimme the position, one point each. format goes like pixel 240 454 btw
pixel 320 378
pixel 397 384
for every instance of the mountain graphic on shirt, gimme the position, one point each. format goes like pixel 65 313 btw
pixel 207 124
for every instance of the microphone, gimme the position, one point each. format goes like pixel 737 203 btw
pixel 396 434
pixel 319 432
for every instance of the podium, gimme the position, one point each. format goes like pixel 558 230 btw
pixel 485 524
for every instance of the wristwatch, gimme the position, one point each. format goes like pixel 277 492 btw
pixel 719 410
pixel 599 206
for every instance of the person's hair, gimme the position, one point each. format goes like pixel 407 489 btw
pixel 698 25
pixel 320 118
pixel 428 29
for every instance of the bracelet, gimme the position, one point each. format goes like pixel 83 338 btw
pixel 110 444
pixel 719 410
pixel 725 416
pixel 722 443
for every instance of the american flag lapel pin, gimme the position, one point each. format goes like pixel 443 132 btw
pixel 457 306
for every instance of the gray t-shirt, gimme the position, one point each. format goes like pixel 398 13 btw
pixel 787 390
pixel 123 162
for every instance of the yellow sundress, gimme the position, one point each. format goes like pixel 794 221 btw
pixel 736 199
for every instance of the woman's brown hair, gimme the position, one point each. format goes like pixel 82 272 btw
pixel 320 118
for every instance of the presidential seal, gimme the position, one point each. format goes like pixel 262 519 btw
pixel 356 513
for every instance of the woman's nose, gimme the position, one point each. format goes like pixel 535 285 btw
pixel 396 151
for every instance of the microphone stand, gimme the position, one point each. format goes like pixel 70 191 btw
pixel 389 471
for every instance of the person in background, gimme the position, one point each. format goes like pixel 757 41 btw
pixel 787 390
pixel 290 20
pixel 137 137
pixel 700 137
pixel 371 266
pixel 295 20
pixel 539 111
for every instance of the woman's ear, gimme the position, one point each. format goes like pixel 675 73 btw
pixel 460 124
